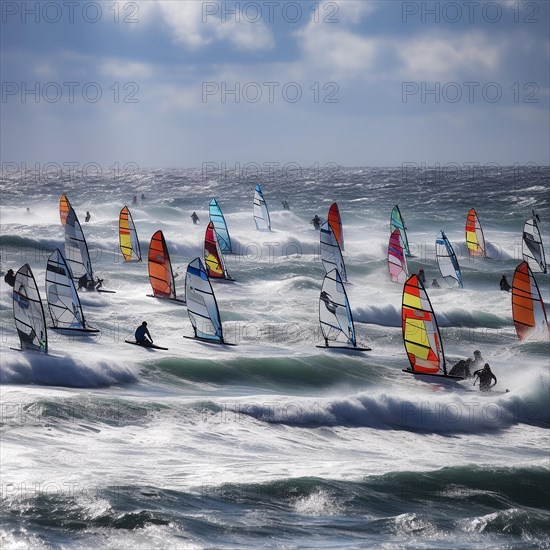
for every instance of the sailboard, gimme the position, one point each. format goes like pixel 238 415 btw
pixel 532 248
pixel 64 208
pixel 421 335
pixel 145 345
pixel 335 314
pixel 397 263
pixel 335 222
pixel 475 241
pixel 261 213
pixel 447 262
pixel 28 312
pixel 201 304
pixel 527 305
pixel 63 301
pixel 213 257
pixel 76 249
pixel 127 235
pixel 331 255
pixel 218 219
pixel 160 269
pixel 397 222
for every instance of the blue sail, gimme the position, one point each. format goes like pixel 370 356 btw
pixel 216 217
pixel 397 222
pixel 446 260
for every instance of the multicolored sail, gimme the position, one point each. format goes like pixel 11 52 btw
pixel 334 311
pixel 218 219
pixel 447 262
pixel 397 263
pixel 63 301
pixel 331 255
pixel 201 304
pixel 127 236
pixel 420 330
pixel 64 208
pixel 527 306
pixel 532 248
pixel 335 222
pixel 76 249
pixel 213 257
pixel 160 268
pixel 28 312
pixel 475 241
pixel 261 213
pixel 397 222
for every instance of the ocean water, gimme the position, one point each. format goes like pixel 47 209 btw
pixel 274 442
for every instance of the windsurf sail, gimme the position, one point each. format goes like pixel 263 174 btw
pixel 201 303
pixel 335 312
pixel 397 263
pixel 397 222
pixel 76 249
pixel 447 262
pixel 532 248
pixel 420 330
pixel 331 255
pixel 63 301
pixel 160 268
pixel 527 305
pixel 475 241
pixel 127 234
pixel 28 312
pixel 213 257
pixel 64 208
pixel 335 222
pixel 217 218
pixel 261 213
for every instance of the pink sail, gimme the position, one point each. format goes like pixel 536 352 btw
pixel 397 264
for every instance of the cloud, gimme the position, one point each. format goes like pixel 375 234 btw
pixel 443 57
pixel 118 68
pixel 198 24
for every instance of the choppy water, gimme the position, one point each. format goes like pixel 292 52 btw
pixel 275 442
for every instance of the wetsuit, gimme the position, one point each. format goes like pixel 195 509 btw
pixel 9 278
pixel 485 376
pixel 140 334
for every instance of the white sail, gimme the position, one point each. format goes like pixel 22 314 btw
pixel 261 213
pixel 331 255
pixel 28 312
pixel 335 312
pixel 447 262
pixel 63 301
pixel 532 248
pixel 201 303
pixel 76 249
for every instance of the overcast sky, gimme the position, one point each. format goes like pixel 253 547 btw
pixel 332 81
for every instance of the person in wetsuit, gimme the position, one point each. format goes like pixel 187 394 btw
pixel 142 335
pixel 88 217
pixel 316 221
pixel 504 284
pixel 195 218
pixel 9 278
pixel 435 284
pixel 485 377
pixel 462 368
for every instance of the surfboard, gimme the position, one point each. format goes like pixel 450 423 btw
pixel 147 346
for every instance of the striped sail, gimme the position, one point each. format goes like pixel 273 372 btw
pixel 127 236
pixel 331 255
pixel 397 263
pixel 160 268
pixel 218 219
pixel 28 312
pixel 420 330
pixel 475 241
pixel 397 222
pixel 76 249
pixel 532 248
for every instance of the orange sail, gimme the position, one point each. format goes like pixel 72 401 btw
pixel 160 268
pixel 420 331
pixel 213 258
pixel 527 305
pixel 475 241
pixel 335 223
pixel 64 208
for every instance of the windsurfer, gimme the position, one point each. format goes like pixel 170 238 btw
pixel 142 335
pixel 435 284
pixel 83 282
pixel 462 368
pixel 485 377
pixel 504 284
pixel 195 218
pixel 88 216
pixel 422 276
pixel 316 221
pixel 9 278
